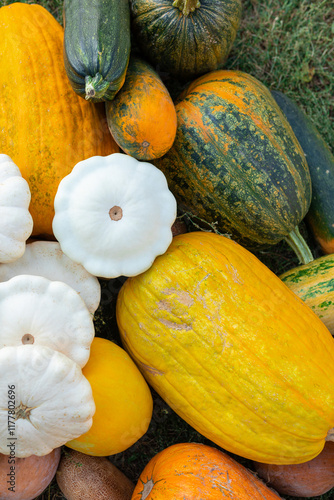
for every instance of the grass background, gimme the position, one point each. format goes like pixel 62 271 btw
pixel 288 45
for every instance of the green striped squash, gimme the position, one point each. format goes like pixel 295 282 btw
pixel 236 162
pixel 314 284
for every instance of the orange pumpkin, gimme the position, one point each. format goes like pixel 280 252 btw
pixel 196 471
pixel 123 401
pixel 27 476
pixel 142 116
pixel 44 126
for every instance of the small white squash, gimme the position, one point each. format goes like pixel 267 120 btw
pixel 45 400
pixel 113 215
pixel 15 220
pixel 45 258
pixel 35 310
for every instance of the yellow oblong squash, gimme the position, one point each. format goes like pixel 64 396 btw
pixel 231 349
pixel 122 398
pixel 44 126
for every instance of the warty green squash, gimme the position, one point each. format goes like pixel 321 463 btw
pixel 96 46
pixel 231 349
pixel 185 37
pixel 236 162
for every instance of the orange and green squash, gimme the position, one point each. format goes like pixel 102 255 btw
pixel 314 284
pixel 231 349
pixel 185 37
pixel 320 160
pixel 142 116
pixel 123 401
pixel 44 126
pixel 196 471
pixel 96 46
pixel 236 162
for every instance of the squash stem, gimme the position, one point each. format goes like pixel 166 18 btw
pixel 186 6
pixel 95 87
pixel 299 246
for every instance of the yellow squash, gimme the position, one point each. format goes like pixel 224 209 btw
pixel 123 401
pixel 44 126
pixel 231 349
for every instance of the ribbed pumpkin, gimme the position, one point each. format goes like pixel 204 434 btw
pixel 44 126
pixel 195 471
pixel 236 163
pixel 231 349
pixel 185 37
pixel 314 284
pixel 142 116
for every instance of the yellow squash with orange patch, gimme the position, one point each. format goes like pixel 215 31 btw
pixel 231 349
pixel 44 126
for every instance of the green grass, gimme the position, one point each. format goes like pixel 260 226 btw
pixel 288 45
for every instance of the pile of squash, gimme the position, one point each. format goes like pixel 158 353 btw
pixel 99 168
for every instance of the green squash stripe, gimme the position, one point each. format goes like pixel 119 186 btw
pixel 250 168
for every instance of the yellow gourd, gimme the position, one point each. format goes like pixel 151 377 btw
pixel 122 398
pixel 231 349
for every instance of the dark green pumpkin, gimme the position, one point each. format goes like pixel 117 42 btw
pixel 321 165
pixel 236 162
pixel 96 46
pixel 314 284
pixel 185 37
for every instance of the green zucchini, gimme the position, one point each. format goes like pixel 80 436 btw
pixel 96 46
pixel 320 160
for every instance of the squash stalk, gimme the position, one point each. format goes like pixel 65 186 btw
pixel 186 6
pixel 299 246
pixel 95 86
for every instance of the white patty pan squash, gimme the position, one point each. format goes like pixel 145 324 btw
pixel 15 220
pixel 113 215
pixel 45 258
pixel 45 400
pixel 35 310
